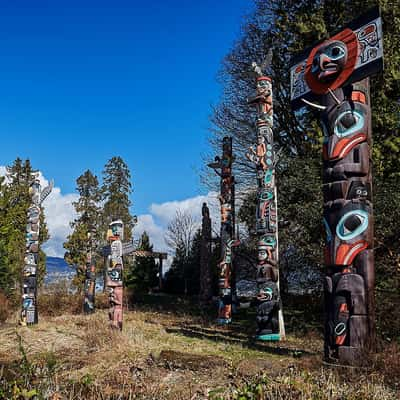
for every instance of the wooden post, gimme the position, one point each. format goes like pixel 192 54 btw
pixel 90 278
pixel 224 164
pixel 270 324
pixel 160 273
pixel 205 257
pixel 115 267
pixel 29 312
pixel 333 79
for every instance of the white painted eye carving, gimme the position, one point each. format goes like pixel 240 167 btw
pixel 340 328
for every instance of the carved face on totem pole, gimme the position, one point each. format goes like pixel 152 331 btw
pixel 116 229
pixel 226 212
pixel 34 191
pixel 266 267
pixel 329 61
pixel 264 87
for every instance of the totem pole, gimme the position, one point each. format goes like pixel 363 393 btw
pixel 226 198
pixel 333 79
pixel 114 282
pixel 205 256
pixel 90 278
pixel 29 313
pixel 270 325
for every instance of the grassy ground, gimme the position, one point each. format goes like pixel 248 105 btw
pixel 175 352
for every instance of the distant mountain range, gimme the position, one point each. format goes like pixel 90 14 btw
pixel 57 264
pixel 57 269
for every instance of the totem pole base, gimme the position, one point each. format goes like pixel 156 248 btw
pixel 274 337
pixel 224 321
pixel 349 357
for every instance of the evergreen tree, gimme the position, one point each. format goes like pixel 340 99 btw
pixel 117 188
pixel 141 276
pixel 88 220
pixel 6 277
pixel 183 277
pixel 175 276
pixel 192 270
pixel 14 203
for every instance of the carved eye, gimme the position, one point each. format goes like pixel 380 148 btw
pixel 352 224
pixel 340 328
pixel 348 123
pixel 336 52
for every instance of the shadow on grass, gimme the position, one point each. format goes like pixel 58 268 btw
pixel 230 337
pixel 240 332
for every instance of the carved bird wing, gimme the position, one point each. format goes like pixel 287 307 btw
pixel 260 70
pixel 46 191
pixel 267 61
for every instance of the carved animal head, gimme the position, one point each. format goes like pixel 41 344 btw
pixel 329 61
pixel 264 86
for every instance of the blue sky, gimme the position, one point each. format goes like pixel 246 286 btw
pixel 82 81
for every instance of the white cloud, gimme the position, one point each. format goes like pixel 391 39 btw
pixel 156 232
pixel 59 213
pixel 160 215
pixel 165 212
pixel 155 223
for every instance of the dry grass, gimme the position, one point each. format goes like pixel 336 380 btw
pixel 164 355
pixel 4 308
pixel 57 299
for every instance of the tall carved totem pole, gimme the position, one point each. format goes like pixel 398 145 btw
pixel 270 325
pixel 205 256
pixel 114 282
pixel 333 79
pixel 223 167
pixel 90 278
pixel 29 313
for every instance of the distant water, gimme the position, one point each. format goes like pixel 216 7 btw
pixel 59 270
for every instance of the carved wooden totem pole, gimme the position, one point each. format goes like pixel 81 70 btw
pixel 226 197
pixel 270 325
pixel 29 313
pixel 90 278
pixel 205 256
pixel 333 78
pixel 115 236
